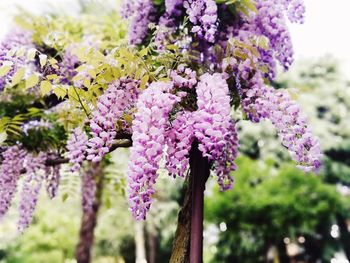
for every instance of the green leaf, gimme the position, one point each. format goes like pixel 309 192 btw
pixel 60 92
pixel 143 52
pixel 65 197
pixel 3 137
pixel 31 81
pixel 4 69
pixel 45 87
pixel 18 76
pixel 43 60
pixel 31 54
pixel 144 81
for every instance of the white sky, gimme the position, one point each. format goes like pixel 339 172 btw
pixel 326 29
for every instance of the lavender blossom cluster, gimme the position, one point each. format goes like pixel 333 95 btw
pixel 156 136
pixel 149 125
pixel 77 146
pixel 10 172
pixel 117 100
pixel 18 163
pixel 17 39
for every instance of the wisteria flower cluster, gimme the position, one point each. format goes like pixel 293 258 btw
pixel 76 146
pixel 254 44
pixel 18 163
pixel 165 94
pixel 118 99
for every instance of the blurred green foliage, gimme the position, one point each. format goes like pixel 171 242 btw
pixel 272 200
pixel 267 205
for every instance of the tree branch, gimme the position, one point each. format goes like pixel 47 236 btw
pixel 120 143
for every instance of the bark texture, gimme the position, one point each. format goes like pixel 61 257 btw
pixel 89 219
pixel 188 242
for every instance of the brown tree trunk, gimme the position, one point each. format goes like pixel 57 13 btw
pixel 89 218
pixel 188 243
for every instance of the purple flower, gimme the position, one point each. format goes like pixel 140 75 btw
pixel 149 128
pixel 183 77
pixel 77 146
pixel 118 99
pixel 30 189
pixel 179 141
pixel 203 15
pixel 214 127
pixel 174 7
pixel 10 172
pixel 140 13
pixel 262 102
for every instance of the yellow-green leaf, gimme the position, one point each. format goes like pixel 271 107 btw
pixel 4 69
pixel 52 76
pixel 45 87
pixel 143 52
pixel 86 82
pixel 52 61
pixel 20 52
pixel 18 76
pixel 31 81
pixel 3 137
pixel 144 81
pixel 60 92
pixel 31 54
pixel 43 60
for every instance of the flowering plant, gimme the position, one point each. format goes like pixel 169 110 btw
pixel 191 64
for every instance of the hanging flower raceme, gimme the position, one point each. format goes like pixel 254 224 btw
pixel 179 141
pixel 118 99
pixel 31 188
pixel 140 13
pixel 149 128
pixel 225 164
pixel 292 128
pixel 213 125
pixel 262 102
pixel 77 145
pixel 10 171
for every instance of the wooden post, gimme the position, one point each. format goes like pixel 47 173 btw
pixel 188 243
pixel 200 172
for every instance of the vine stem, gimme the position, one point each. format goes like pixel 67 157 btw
pixel 81 102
